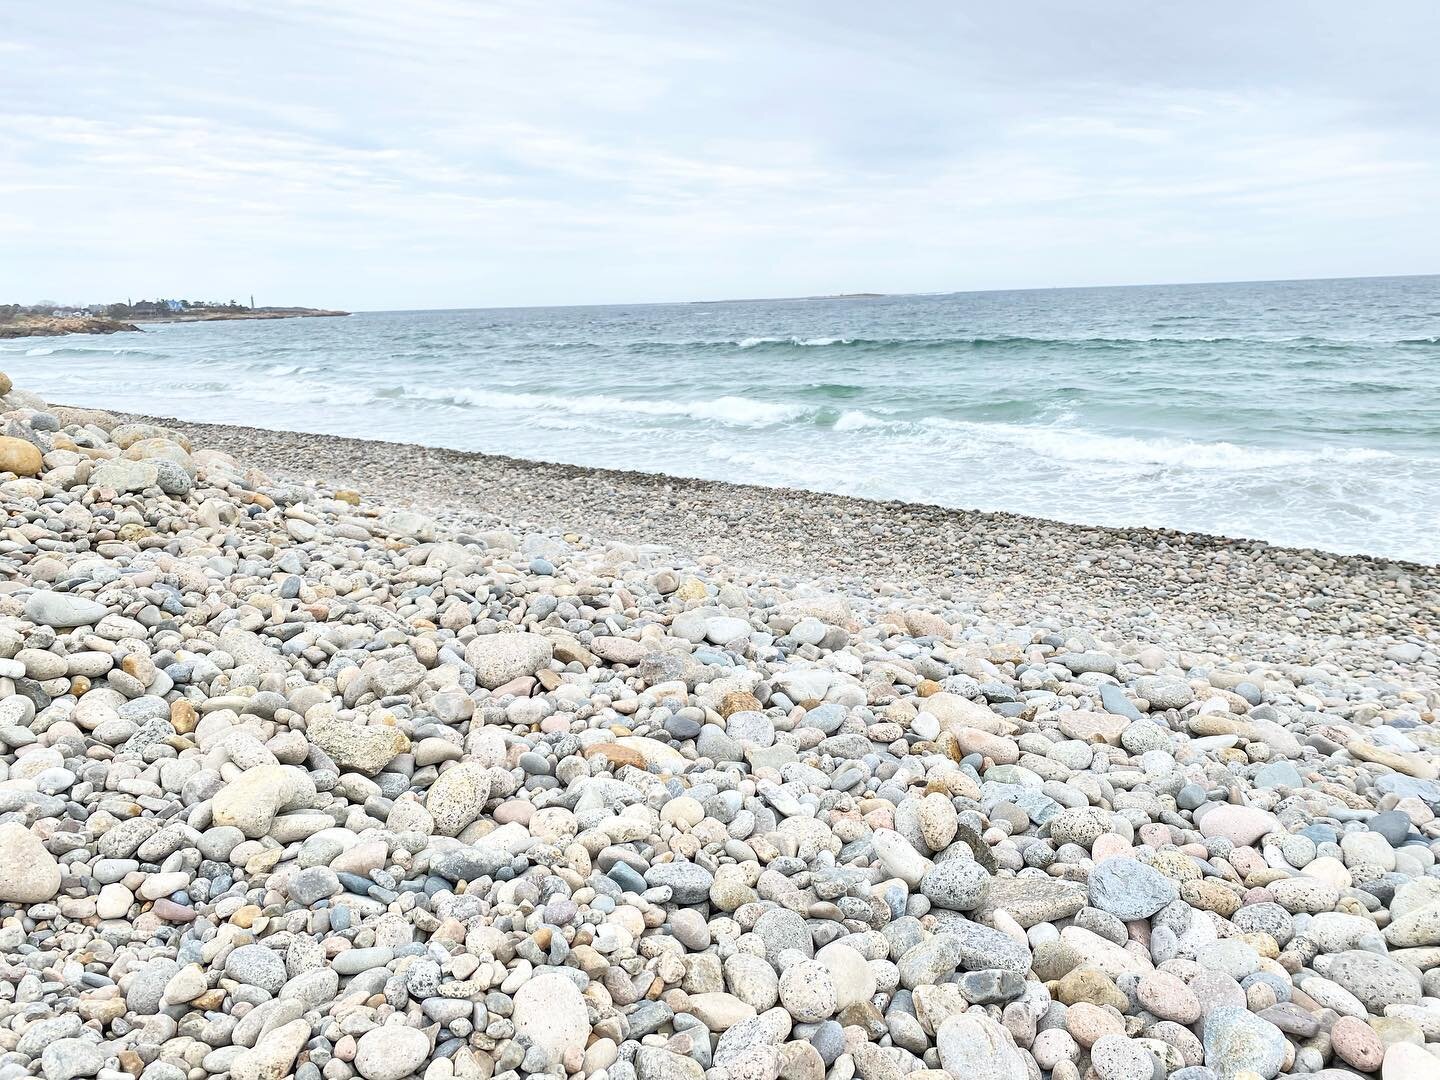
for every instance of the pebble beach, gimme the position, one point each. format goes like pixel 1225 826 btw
pixel 331 758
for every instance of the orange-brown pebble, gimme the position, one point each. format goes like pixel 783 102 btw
pixel 182 716
pixel 245 917
pixel 735 702
pixel 616 755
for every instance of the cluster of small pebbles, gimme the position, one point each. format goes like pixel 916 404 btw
pixel 1245 599
pixel 294 784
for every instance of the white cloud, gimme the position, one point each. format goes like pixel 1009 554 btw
pixel 449 153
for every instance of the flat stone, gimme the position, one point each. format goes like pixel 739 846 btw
pixel 1032 900
pixel 690 883
pixel 1129 890
pixel 1241 825
pixel 63 610
pixel 973 1046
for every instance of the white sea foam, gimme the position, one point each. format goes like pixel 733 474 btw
pixel 751 342
pixel 1077 445
pixel 297 392
pixel 855 420
pixel 726 409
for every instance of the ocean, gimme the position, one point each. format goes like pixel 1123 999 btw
pixel 1296 412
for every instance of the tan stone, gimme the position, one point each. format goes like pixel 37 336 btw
pixel 735 702
pixel 182 716
pixel 1409 764
pixel 1093 727
pixel 20 457
pixel 616 754
pixel 954 711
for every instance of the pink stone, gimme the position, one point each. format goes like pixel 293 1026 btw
pixel 1155 835
pixel 170 911
pixel 524 686
pixel 1241 825
pixel 1356 1044
pixel 514 810
pixel 361 859
pixel 1111 846
pixel 997 748
pixel 1246 861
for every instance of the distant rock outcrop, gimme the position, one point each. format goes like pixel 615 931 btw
pixel 54 326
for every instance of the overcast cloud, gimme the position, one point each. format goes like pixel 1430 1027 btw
pixel 444 153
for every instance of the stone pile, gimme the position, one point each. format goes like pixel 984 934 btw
pixel 293 785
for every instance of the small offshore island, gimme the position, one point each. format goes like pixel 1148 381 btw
pixel 53 320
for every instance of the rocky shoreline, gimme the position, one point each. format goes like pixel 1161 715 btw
pixel 49 326
pixel 332 759
pixel 57 326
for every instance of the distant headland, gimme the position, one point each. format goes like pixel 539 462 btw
pixel 51 320
pixel 788 299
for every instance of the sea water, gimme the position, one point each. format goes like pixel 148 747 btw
pixel 1299 412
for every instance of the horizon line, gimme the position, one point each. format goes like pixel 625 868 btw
pixel 877 295
pixel 854 295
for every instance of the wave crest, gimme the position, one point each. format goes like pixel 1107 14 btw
pixel 810 342
pixel 727 409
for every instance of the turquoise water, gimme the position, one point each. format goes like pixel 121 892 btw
pixel 1296 412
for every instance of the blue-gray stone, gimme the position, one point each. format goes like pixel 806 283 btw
pixel 827 718
pixel 1405 787
pixel 627 877
pixel 991 986
pixel 1129 890
pixel 1394 825
pixel 468 864
pixel 682 727
pixel 1190 796
pixel 1279 774
pixel 1321 834
pixel 648 1017
pixel 1113 699
pixel 355 883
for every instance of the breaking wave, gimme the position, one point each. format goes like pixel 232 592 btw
pixel 726 409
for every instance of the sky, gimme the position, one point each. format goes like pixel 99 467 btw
pixel 368 154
